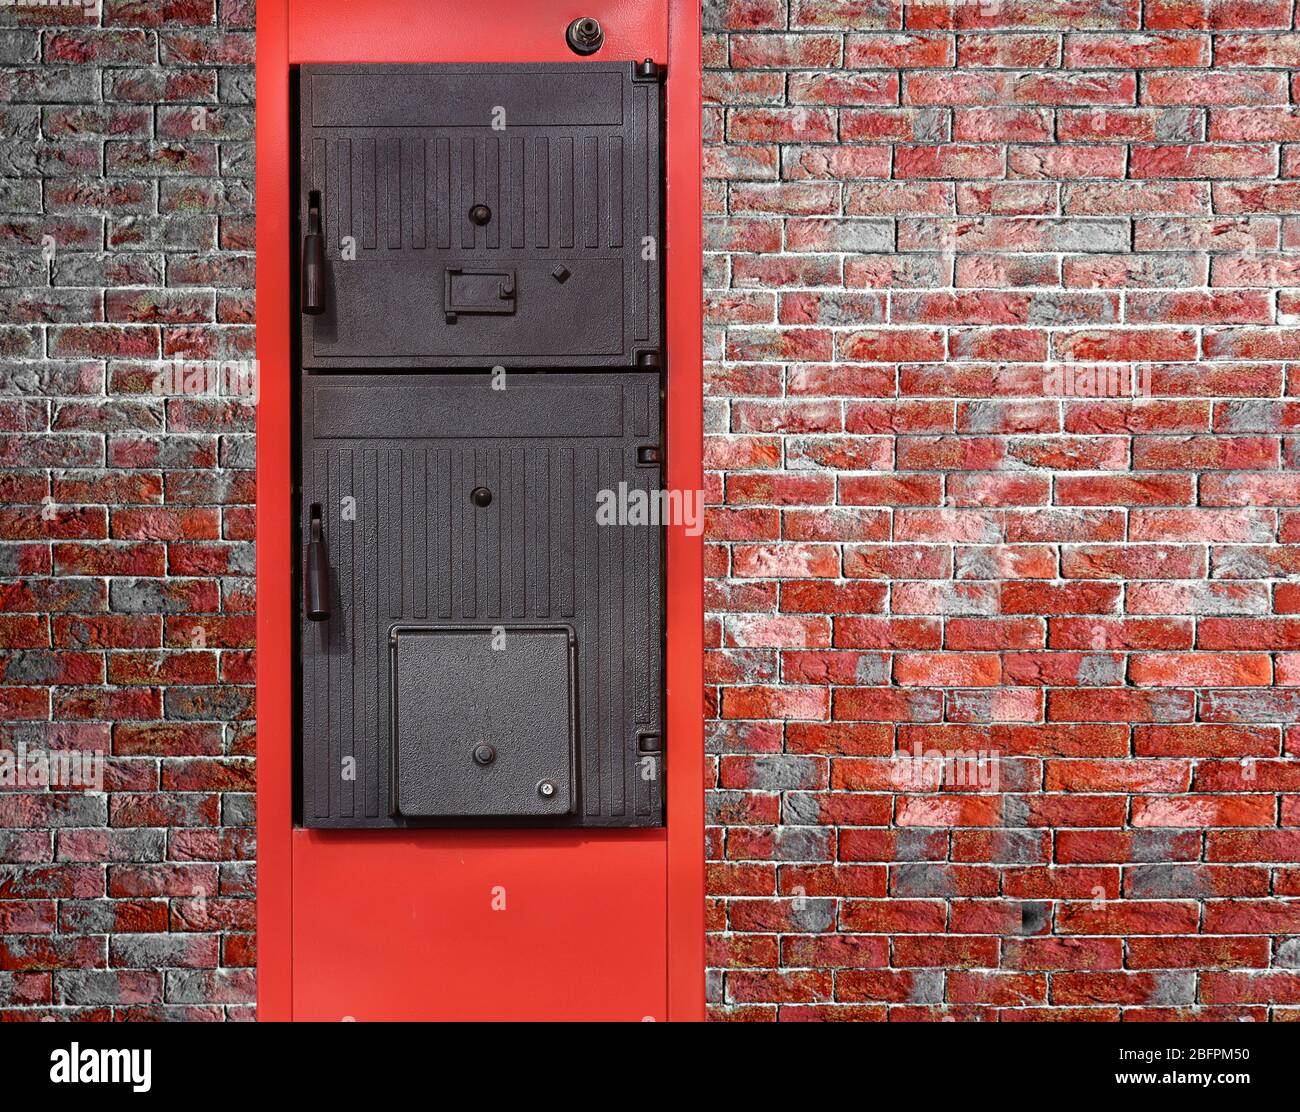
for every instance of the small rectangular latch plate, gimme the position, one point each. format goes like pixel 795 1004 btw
pixel 478 291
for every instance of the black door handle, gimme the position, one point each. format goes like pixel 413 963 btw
pixel 313 261
pixel 318 571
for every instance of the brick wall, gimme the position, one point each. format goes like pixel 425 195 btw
pixel 126 239
pixel 926 226
pixel 929 224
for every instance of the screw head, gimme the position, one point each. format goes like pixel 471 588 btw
pixel 546 789
pixel 484 754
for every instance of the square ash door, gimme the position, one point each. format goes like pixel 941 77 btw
pixel 483 722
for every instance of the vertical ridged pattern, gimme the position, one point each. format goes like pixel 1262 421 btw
pixel 420 530
pixel 319 166
pixel 439 196
pixel 614 192
pixel 344 662
pixel 562 181
pixel 406 191
pixel 413 158
pixel 517 171
pixel 642 211
pixel 514 514
pixel 343 173
pixel 565 542
pixel 491 189
pixel 394 521
pixel 371 564
pixel 590 173
pixel 319 716
pixel 464 190
pixel 367 188
pixel 541 177
pixel 391 175
pixel 588 595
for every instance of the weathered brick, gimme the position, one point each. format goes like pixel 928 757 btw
pixel 934 231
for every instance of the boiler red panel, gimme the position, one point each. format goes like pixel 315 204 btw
pixel 684 564
pixel 484 31
pixel 487 925
pixel 478 924
pixel 275 615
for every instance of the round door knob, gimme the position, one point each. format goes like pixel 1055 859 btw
pixel 484 754
pixel 585 35
pixel 480 215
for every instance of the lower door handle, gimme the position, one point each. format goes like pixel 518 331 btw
pixel 318 571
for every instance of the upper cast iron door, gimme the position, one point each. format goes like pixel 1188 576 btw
pixel 472 215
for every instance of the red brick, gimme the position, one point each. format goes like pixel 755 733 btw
pixel 920 532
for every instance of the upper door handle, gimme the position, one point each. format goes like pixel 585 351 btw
pixel 313 260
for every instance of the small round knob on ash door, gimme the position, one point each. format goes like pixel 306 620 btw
pixel 484 754
pixel 480 215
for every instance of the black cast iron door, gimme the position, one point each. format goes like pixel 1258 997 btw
pixel 480 372
pixel 454 215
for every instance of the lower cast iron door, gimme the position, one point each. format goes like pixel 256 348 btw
pixel 479 645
